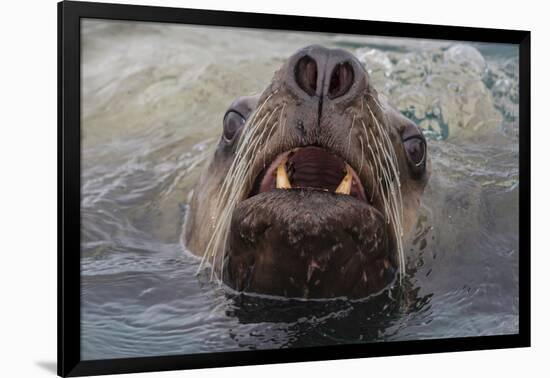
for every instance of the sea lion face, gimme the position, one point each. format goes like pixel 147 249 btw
pixel 313 186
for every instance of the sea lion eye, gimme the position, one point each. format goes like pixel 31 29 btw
pixel 415 147
pixel 232 123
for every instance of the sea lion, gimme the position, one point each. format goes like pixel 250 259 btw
pixel 313 186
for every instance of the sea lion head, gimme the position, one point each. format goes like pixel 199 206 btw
pixel 313 186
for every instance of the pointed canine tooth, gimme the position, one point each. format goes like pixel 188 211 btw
pixel 345 185
pixel 282 178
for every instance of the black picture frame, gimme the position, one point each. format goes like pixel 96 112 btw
pixel 69 16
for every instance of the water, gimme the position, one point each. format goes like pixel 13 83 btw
pixel 152 102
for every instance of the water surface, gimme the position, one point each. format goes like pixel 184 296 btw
pixel 153 98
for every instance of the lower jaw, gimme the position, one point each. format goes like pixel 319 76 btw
pixel 351 281
pixel 308 244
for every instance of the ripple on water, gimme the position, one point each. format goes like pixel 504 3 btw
pixel 151 119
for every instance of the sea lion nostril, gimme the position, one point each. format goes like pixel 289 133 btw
pixel 341 80
pixel 306 74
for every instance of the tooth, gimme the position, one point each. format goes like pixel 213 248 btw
pixel 345 185
pixel 282 178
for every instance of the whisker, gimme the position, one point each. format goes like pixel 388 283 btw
pixel 374 176
pixel 230 193
pixel 259 108
pixel 283 128
pixel 349 134
pixel 362 155
pixel 393 161
pixel 385 135
pixel 392 204
pixel 375 100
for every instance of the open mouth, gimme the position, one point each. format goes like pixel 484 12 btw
pixel 307 230
pixel 312 168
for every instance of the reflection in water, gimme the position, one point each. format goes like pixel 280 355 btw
pixel 152 102
pixel 297 323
